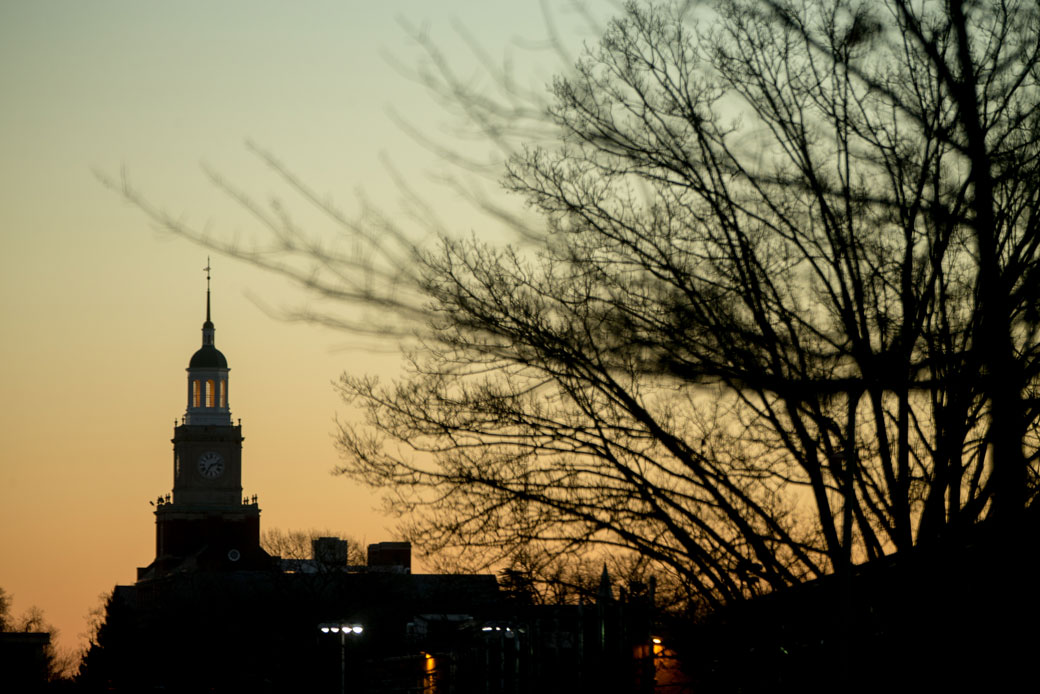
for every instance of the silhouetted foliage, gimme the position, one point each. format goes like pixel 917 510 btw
pixel 238 631
pixel 945 617
pixel 782 317
pixel 5 609
pixel 298 544
pixel 575 580
pixel 30 664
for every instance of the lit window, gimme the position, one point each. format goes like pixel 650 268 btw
pixel 223 393
pixel 195 398
pixel 210 393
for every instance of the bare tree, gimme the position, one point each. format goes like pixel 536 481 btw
pixel 782 317
pixel 298 544
pixel 5 610
pixel 54 665
pixel 770 285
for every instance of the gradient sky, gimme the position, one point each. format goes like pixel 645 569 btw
pixel 101 311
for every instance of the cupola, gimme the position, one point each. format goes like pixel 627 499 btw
pixel 208 377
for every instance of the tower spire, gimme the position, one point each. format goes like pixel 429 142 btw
pixel 208 375
pixel 207 327
pixel 207 269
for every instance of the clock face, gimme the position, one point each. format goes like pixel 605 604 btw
pixel 211 465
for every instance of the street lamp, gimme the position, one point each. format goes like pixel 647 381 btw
pixel 344 629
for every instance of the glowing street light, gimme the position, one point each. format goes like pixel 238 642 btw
pixel 341 628
pixel 658 647
pixel 344 629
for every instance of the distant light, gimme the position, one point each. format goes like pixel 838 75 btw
pixel 325 630
pixel 488 629
pixel 335 630
pixel 358 629
pixel 657 641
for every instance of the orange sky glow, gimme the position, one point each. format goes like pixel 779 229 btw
pixel 101 311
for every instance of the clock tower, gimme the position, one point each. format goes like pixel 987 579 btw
pixel 206 525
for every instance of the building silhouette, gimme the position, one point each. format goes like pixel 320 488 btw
pixel 24 661
pixel 214 612
pixel 206 524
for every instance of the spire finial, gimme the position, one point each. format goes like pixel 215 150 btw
pixel 207 269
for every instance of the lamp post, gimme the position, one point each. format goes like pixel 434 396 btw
pixel 344 629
